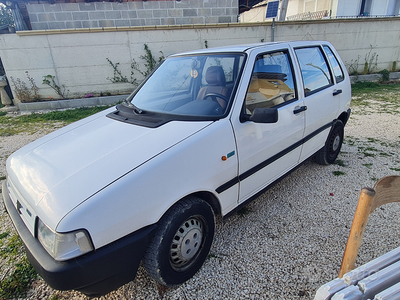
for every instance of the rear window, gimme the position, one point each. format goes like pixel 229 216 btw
pixel 314 69
pixel 337 70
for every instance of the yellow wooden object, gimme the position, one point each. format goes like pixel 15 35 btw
pixel 386 190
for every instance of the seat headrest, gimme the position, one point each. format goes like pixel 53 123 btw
pixel 268 68
pixel 215 76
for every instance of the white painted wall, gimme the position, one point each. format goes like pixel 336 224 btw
pixel 78 59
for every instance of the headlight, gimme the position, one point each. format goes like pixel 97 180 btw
pixel 63 246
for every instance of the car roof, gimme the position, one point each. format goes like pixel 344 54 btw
pixel 245 47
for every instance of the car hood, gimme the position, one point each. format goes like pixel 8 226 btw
pixel 56 173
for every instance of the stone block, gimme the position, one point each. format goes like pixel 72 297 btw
pixel 231 11
pixel 124 22
pixel 189 4
pixel 69 6
pixel 57 25
pixel 152 21
pixel 87 6
pixel 224 19
pixel 144 14
pixel 90 24
pixel 198 20
pixel 106 23
pixel 135 5
pixel 204 11
pixel 151 5
pixel 175 13
pixel 218 11
pixel 103 5
pixel 46 17
pixel 39 26
pixel 33 18
pixel 183 21
pixel 120 6
pixel 73 24
pixel 52 7
pixel 189 12
pixel 80 15
pixel 211 20
pixel 160 13
pixel 129 14
pixel 33 8
pixel 113 15
pixel 63 16
pixel 167 4
pixel 222 3
pixel 210 3
pixel 97 15
pixel 137 22
pixel 168 21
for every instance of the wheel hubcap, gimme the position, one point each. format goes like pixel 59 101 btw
pixel 336 143
pixel 186 243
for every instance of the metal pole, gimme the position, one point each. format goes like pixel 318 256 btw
pixel 273 30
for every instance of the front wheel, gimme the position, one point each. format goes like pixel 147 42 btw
pixel 181 242
pixel 328 154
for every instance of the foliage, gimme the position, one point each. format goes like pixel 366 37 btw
pixel 22 91
pixel 6 17
pixel 371 62
pixel 150 62
pixel 118 77
pixel 17 284
pixel 51 82
pixel 385 75
pixel 352 67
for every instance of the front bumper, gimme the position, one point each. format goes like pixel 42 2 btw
pixel 95 273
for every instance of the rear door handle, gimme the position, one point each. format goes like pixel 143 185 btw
pixel 337 92
pixel 300 109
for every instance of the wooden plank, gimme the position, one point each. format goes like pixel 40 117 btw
pixel 357 230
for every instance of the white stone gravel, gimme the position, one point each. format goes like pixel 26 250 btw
pixel 292 238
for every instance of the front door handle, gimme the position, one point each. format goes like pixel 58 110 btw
pixel 300 109
pixel 337 92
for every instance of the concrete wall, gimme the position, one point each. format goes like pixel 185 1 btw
pixel 114 14
pixel 78 57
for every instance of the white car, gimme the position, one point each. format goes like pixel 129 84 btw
pixel 206 133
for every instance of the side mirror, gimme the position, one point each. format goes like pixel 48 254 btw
pixel 263 115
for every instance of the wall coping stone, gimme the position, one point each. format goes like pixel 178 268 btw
pixel 70 103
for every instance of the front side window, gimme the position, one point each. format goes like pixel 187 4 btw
pixel 337 70
pixel 314 69
pixel 271 82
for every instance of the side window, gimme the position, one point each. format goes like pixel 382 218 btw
pixel 271 83
pixel 314 69
pixel 337 70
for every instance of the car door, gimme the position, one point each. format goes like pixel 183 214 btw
pixel 268 150
pixel 321 96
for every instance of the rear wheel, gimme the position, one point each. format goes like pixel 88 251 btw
pixel 181 242
pixel 328 154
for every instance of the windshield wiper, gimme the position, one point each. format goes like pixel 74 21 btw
pixel 129 104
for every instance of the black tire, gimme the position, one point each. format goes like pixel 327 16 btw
pixel 181 242
pixel 328 154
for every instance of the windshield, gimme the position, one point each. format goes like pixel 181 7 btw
pixel 193 86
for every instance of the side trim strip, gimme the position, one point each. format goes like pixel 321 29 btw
pixel 270 160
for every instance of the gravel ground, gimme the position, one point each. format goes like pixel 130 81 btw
pixel 290 240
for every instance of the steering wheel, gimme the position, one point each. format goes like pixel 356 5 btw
pixel 214 97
